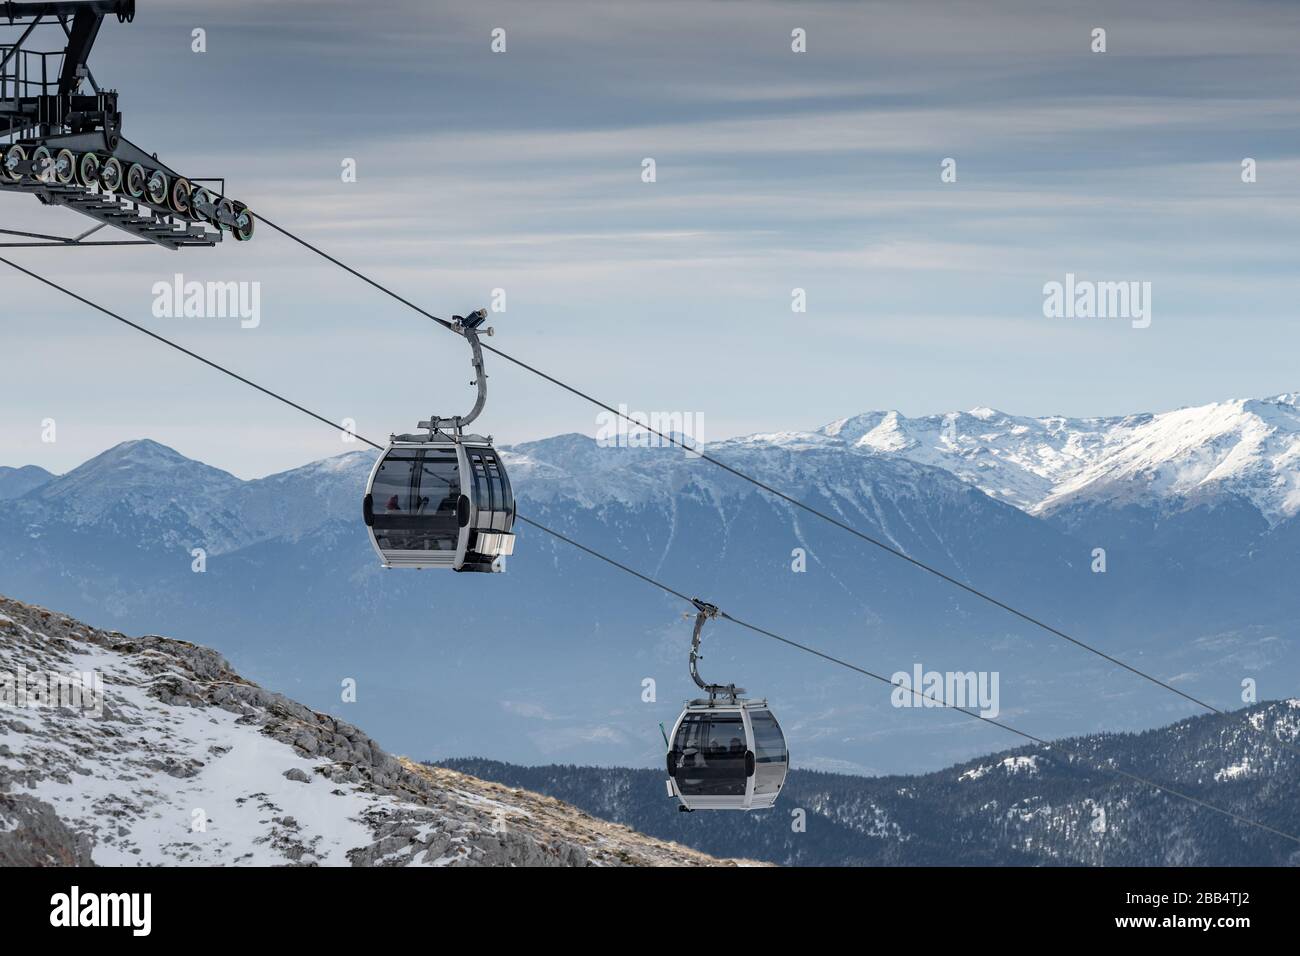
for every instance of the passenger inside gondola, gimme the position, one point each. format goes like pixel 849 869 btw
pixel 407 481
pixel 712 755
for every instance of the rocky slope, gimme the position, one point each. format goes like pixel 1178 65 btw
pixel 171 758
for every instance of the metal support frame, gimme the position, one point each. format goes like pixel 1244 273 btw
pixel 134 218
pixel 704 612
pixel 43 241
pixel 42 104
pixel 467 326
pixel 59 103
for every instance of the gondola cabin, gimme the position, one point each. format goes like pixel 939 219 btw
pixel 727 754
pixel 440 503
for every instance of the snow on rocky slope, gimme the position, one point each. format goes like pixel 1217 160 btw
pixel 1247 448
pixel 186 763
pixel 1013 458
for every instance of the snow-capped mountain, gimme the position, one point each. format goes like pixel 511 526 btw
pixel 143 489
pixel 1247 448
pixel 1012 458
pixel 298 501
pixel 168 757
pixel 1198 589
pixel 303 603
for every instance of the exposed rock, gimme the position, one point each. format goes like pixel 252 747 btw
pixel 182 759
pixel 31 834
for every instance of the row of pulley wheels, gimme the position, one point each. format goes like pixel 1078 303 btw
pixel 136 182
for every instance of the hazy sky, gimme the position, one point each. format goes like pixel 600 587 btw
pixel 775 170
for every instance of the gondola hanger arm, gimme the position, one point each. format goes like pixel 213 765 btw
pixel 705 611
pixel 470 328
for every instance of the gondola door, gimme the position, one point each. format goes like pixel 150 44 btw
pixel 446 470
pixel 412 507
pixel 711 754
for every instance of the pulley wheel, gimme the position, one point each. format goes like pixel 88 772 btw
pixel 110 177
pixel 227 207
pixel 65 167
pixel 245 224
pixel 88 170
pixel 200 201
pixel 181 193
pixel 43 164
pixel 9 167
pixel 135 181
pixel 155 188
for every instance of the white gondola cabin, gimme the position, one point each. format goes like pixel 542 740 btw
pixel 725 752
pixel 727 756
pixel 443 499
pixel 440 504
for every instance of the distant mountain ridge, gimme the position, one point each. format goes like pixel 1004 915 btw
pixel 1199 589
pixel 1247 447
pixel 176 498
pixel 18 481
pixel 1034 806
